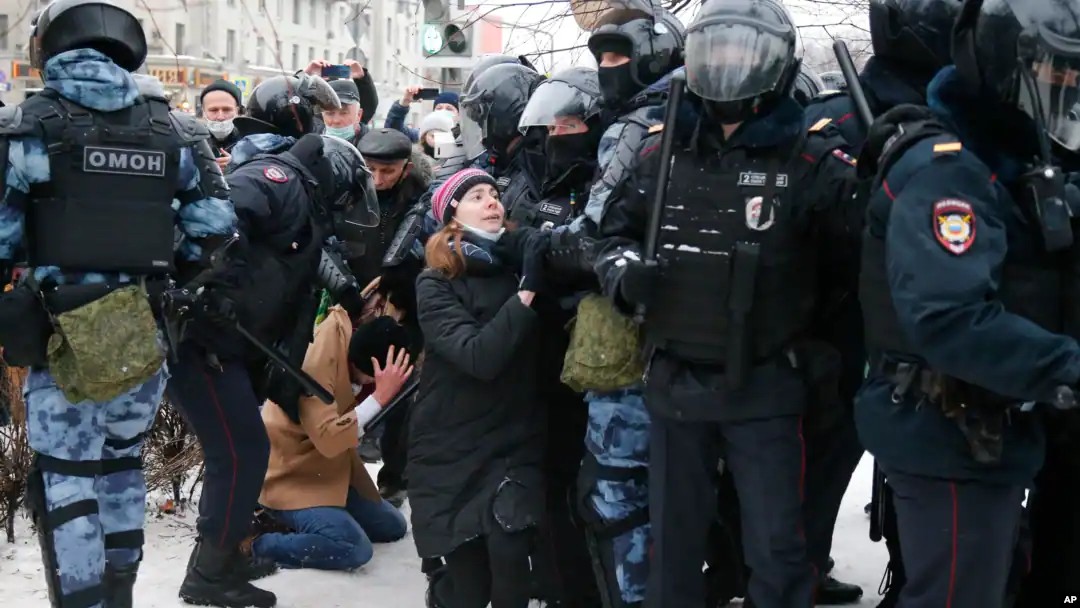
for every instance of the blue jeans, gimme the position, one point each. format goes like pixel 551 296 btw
pixel 332 538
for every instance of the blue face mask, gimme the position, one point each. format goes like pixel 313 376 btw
pixel 345 133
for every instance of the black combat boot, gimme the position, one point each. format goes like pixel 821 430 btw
pixel 119 584
pixel 433 577
pixel 831 592
pixel 215 578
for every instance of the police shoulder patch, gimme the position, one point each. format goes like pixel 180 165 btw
pixel 275 174
pixel 656 128
pixel 951 147
pixel 845 157
pixel 819 125
pixel 954 225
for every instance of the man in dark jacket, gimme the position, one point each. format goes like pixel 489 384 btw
pixel 221 102
pixel 401 174
pixel 740 375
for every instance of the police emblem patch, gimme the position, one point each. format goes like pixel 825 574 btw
pixel 954 225
pixel 275 175
pixel 753 214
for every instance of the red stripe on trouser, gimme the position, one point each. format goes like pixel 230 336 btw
pixel 232 451
pixel 952 564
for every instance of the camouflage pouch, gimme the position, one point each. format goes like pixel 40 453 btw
pixel 104 349
pixel 605 349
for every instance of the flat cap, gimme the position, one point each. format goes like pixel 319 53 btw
pixel 385 144
pixel 346 90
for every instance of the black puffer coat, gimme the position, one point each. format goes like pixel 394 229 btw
pixel 476 438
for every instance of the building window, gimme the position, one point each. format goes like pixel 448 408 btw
pixel 296 57
pixel 232 3
pixel 326 16
pixel 311 14
pixel 262 6
pixel 230 46
pixel 326 54
pixel 296 11
pixel 4 31
pixel 260 51
pixel 311 54
pixel 276 59
pixel 280 9
pixel 341 58
pixel 179 39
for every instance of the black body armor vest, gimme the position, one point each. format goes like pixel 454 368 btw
pixel 739 279
pixel 113 177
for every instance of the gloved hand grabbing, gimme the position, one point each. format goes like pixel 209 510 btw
pixel 534 250
pixel 217 308
pixel 639 282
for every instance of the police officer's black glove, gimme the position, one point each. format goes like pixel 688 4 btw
pixel 217 308
pixel 639 282
pixel 535 249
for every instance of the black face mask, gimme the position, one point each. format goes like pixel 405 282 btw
pixel 617 85
pixel 571 154
pixel 730 112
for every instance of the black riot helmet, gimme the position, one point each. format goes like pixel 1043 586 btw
pixel 1024 54
pixel 492 107
pixel 568 107
pixel 653 42
pixel 807 86
pixel 742 56
pixel 913 35
pixel 287 105
pixel 491 60
pixel 65 25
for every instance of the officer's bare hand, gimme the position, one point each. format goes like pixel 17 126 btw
pixel 355 69
pixel 389 380
pixel 315 67
pixel 410 95
pixel 223 160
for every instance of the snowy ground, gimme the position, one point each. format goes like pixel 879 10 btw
pixel 391 580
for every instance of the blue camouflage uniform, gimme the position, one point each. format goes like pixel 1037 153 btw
pixel 106 431
pixel 617 437
pixel 950 251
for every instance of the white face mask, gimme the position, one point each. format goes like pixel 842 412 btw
pixel 484 234
pixel 220 128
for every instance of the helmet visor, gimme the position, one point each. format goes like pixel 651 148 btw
pixel 1051 91
pixel 474 127
pixel 729 61
pixel 318 91
pixel 358 208
pixel 556 105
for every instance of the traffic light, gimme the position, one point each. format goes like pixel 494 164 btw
pixel 446 39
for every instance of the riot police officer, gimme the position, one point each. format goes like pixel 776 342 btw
pixel 956 195
pixel 755 198
pixel 211 380
pixel 808 85
pixel 911 41
pixel 89 150
pixel 634 52
pixel 490 111
pixel 568 108
pixel 1013 74
pixel 280 110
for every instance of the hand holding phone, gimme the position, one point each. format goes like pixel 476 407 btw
pixel 427 94
pixel 336 71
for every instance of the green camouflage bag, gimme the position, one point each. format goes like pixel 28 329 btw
pixel 104 349
pixel 605 350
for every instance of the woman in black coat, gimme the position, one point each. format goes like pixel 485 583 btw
pixel 476 438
